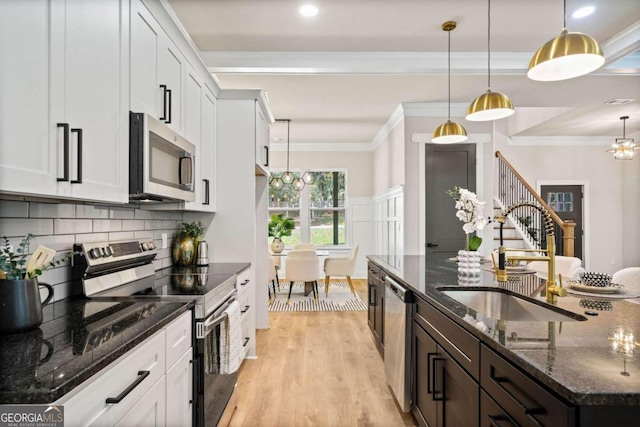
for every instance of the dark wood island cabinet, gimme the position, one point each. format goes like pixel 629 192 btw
pixel 463 375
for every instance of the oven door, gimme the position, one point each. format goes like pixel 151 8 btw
pixel 213 389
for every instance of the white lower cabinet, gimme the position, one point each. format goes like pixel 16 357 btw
pixel 150 409
pixel 140 388
pixel 179 402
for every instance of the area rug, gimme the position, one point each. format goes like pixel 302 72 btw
pixel 340 298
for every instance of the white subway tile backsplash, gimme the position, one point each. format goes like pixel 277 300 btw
pixel 91 211
pixel 121 213
pixel 51 210
pixel 152 224
pixel 92 237
pixel 11 209
pixel 59 225
pixel 141 214
pixel 122 235
pixel 132 224
pixel 143 234
pixel 62 242
pixel 20 227
pixel 102 225
pixel 170 224
pixel 72 226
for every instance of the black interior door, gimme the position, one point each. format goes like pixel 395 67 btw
pixel 566 200
pixel 446 166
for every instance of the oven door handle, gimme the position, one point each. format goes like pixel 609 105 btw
pixel 210 324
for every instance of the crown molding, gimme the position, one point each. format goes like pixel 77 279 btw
pixel 321 146
pixel 474 138
pixel 560 140
pixel 623 43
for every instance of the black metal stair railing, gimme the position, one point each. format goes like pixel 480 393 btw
pixel 512 188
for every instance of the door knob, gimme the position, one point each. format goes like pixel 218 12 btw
pixel 432 245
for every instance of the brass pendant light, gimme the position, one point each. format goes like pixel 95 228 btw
pixel 624 147
pixel 490 105
pixel 567 56
pixel 449 132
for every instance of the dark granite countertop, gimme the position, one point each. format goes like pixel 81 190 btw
pixel 582 366
pixel 72 344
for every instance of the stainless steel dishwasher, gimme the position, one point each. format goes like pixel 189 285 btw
pixel 398 310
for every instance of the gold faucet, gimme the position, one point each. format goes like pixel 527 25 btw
pixel 554 287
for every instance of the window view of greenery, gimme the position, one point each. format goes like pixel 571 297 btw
pixel 327 210
pixel 286 201
pixel 325 202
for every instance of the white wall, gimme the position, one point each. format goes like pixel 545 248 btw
pixel 611 231
pixel 388 160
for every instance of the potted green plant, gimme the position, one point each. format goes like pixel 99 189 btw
pixel 279 227
pixel 20 306
pixel 186 242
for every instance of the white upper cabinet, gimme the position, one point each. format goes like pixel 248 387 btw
pixel 262 142
pixel 193 106
pixel 208 151
pixel 68 124
pixel 28 144
pixel 157 70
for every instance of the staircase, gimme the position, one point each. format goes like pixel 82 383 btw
pixel 525 228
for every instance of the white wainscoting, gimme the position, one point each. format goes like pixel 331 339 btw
pixel 388 218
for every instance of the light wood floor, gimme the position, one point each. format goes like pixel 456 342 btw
pixel 316 369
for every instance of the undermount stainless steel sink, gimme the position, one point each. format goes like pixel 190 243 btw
pixel 503 304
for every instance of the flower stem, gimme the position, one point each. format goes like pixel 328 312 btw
pixel 466 245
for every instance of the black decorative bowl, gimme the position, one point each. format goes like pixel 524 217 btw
pixel 601 280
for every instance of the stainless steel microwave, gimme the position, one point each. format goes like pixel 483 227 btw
pixel 161 162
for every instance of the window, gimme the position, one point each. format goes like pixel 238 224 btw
pixel 319 209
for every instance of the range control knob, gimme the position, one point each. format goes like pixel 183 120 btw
pixel 95 253
pixel 145 246
pixel 107 251
pixel 152 245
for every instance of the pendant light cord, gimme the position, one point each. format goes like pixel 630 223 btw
pixel 564 15
pixel 489 46
pixel 288 122
pixel 449 74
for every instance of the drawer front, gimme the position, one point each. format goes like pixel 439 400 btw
pixel 244 280
pixel 492 415
pixel 526 402
pixel 178 338
pixel 466 350
pixel 87 404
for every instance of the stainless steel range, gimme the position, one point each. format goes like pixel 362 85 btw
pixel 124 271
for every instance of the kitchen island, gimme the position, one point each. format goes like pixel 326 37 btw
pixel 577 363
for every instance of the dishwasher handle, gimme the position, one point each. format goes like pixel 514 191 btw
pixel 396 288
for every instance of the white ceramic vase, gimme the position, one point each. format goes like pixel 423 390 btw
pixel 277 245
pixel 468 263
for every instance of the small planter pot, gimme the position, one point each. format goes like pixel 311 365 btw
pixel 277 245
pixel 20 305
pixel 468 264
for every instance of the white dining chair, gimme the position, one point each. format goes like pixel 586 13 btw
pixel 342 267
pixel 302 266
pixel 569 267
pixel 304 247
pixel 628 277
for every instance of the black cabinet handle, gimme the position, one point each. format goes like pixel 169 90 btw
pixel 267 152
pixel 430 387
pixel 511 389
pixel 65 171
pixel 245 282
pixel 141 376
pixel 246 341
pixel 78 180
pixel 432 245
pixel 434 365
pixel 246 308
pixel 168 120
pixel 164 102
pixel 372 296
pixel 497 421
pixel 206 192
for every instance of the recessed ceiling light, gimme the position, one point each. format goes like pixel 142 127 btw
pixel 583 11
pixel 308 10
